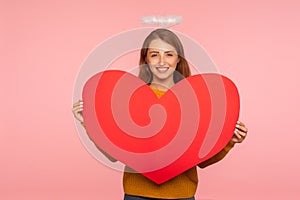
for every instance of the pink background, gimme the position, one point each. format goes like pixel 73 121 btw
pixel 43 44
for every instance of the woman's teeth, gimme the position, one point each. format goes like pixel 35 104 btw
pixel 162 69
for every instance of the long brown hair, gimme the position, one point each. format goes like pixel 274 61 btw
pixel 182 68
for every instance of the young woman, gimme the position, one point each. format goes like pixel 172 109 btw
pixel 162 64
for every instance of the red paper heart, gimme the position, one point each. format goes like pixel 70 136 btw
pixel 160 137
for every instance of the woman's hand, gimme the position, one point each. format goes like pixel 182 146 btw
pixel 77 111
pixel 240 133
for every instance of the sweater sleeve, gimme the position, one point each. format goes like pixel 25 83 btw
pixel 219 156
pixel 102 151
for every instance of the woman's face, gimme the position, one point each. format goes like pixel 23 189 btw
pixel 162 59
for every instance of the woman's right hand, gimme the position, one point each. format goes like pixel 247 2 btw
pixel 77 111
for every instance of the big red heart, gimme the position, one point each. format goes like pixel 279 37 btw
pixel 160 137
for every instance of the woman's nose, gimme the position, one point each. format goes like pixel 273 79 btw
pixel 162 60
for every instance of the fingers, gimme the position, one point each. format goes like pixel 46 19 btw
pixel 237 138
pixel 77 107
pixel 240 132
pixel 240 135
pixel 79 102
pixel 240 123
pixel 77 110
pixel 241 126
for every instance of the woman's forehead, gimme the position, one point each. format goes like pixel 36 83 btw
pixel 160 45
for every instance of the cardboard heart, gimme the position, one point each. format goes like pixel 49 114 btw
pixel 160 137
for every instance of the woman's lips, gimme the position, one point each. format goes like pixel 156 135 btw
pixel 162 69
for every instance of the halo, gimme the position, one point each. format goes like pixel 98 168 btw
pixel 162 21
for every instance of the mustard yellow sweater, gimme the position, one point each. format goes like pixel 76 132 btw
pixel 181 186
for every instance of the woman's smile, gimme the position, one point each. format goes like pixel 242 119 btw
pixel 162 69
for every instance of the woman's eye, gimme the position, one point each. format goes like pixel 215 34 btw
pixel 153 55
pixel 169 54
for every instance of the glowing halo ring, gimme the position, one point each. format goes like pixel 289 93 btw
pixel 101 57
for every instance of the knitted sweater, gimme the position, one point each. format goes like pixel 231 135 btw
pixel 181 186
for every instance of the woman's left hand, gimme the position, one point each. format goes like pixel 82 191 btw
pixel 240 132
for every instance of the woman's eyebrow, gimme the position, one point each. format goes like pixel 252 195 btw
pixel 154 51
pixel 171 51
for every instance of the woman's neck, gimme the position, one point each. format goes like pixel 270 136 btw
pixel 161 86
